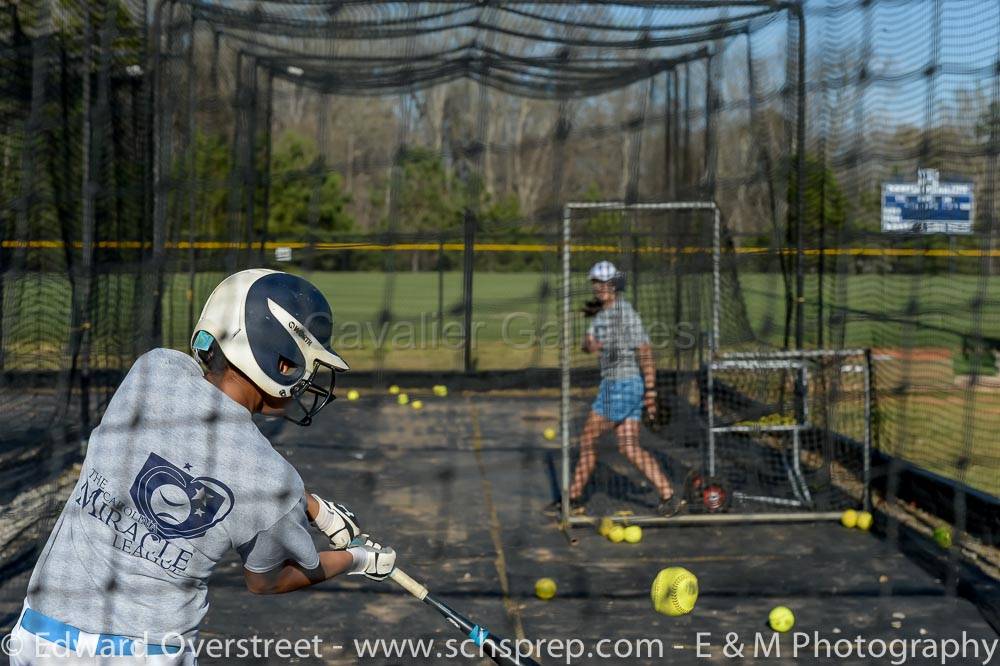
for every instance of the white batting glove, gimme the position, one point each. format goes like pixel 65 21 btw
pixel 337 522
pixel 371 560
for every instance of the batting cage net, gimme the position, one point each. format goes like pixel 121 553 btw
pixel 780 271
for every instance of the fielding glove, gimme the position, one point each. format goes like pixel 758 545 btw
pixel 591 307
pixel 371 560
pixel 337 522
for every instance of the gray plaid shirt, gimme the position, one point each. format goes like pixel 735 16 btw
pixel 620 331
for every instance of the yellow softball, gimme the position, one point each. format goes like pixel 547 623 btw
pixel 864 521
pixel 633 534
pixel 417 404
pixel 549 433
pixel 353 394
pixel 781 619
pixel 394 390
pixel 674 591
pixel 604 527
pixel 402 398
pixel 545 588
pixel 616 534
pixel 849 518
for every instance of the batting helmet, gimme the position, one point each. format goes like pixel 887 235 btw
pixel 275 328
pixel 605 271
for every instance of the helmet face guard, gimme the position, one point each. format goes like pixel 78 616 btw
pixel 313 392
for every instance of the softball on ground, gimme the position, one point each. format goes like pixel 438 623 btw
pixel 604 527
pixel 849 518
pixel 549 433
pixel 417 404
pixel 440 390
pixel 353 394
pixel 545 588
pixel 394 390
pixel 864 521
pixel 616 534
pixel 402 398
pixel 633 534
pixel 781 619
pixel 674 591
pixel 942 536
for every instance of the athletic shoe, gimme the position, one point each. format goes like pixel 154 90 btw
pixel 671 507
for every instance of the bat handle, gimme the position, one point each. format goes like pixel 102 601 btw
pixel 408 584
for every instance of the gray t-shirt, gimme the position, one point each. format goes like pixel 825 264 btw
pixel 619 330
pixel 176 475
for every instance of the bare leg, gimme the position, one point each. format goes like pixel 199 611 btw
pixel 595 426
pixel 628 443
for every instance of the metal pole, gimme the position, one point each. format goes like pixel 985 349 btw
pixel 564 363
pixel 709 167
pixel 234 168
pixel 440 272
pixel 192 175
pixel 687 162
pixel 268 147
pixel 716 280
pixel 467 268
pixel 668 121
pixel 160 109
pixel 867 462
pixel 250 162
pixel 800 147
pixel 714 518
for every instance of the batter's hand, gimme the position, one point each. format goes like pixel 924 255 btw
pixel 337 522
pixel 371 560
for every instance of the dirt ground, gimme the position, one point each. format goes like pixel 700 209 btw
pixel 458 489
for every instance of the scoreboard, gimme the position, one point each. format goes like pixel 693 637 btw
pixel 928 206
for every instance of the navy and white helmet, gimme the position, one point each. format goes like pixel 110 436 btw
pixel 275 328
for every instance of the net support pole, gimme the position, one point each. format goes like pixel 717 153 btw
pixel 233 217
pixel 713 337
pixel 191 172
pixel 687 161
pixel 440 281
pixel 566 335
pixel 268 148
pixel 249 171
pixel 161 100
pixel 468 265
pixel 866 499
pixel 716 279
pixel 668 122
pixel 800 176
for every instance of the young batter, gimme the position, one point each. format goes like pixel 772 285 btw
pixel 628 381
pixel 177 474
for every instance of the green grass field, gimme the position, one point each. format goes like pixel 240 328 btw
pixel 925 411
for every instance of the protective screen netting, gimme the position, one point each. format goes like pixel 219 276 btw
pixel 149 150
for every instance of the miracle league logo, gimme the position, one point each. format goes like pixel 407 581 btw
pixel 168 504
